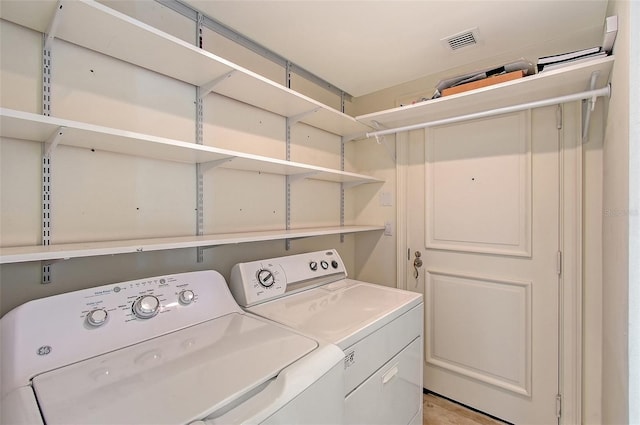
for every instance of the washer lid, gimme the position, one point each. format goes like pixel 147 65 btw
pixel 176 378
pixel 342 312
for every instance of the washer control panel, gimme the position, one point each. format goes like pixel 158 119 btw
pixel 142 299
pixel 259 281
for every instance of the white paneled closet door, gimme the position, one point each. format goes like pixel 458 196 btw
pixel 483 208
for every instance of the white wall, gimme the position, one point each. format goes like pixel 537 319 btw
pixel 616 232
pixel 103 196
pixel 634 216
pixel 376 256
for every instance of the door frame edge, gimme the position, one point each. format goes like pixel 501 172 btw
pixel 571 240
pixel 402 161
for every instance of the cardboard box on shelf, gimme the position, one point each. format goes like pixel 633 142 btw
pixel 484 82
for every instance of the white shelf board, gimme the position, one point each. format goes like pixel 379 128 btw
pixel 544 85
pixel 102 29
pixel 248 87
pixel 92 249
pixel 39 128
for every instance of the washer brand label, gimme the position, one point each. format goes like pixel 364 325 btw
pixel 44 350
pixel 349 358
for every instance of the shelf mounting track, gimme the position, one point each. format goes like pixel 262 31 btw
pixel 287 242
pixel 49 146
pixel 342 186
pixel 201 92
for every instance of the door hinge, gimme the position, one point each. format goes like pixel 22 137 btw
pixel 558 405
pixel 559 263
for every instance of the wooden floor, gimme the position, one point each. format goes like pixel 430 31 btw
pixel 440 411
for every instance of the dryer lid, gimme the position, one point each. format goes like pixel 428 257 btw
pixel 341 312
pixel 176 378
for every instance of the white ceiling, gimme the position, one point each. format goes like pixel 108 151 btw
pixel 363 46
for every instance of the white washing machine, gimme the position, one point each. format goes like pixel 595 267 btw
pixel 173 349
pixel 379 328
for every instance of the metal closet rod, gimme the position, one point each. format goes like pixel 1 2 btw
pixel 590 94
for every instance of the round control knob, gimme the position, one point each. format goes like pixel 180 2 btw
pixel 266 278
pixel 313 266
pixel 146 307
pixel 186 297
pixel 324 265
pixel 334 264
pixel 97 317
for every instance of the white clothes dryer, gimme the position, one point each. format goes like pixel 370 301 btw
pixel 380 329
pixel 165 350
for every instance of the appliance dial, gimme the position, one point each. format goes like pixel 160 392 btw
pixel 97 317
pixel 146 307
pixel 266 278
pixel 186 297
pixel 324 265
pixel 334 264
pixel 313 266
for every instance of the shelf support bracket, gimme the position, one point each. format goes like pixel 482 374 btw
pixel 206 166
pixel 53 26
pixel 589 106
pixel 204 248
pixel 381 140
pixel 351 137
pixel 349 185
pixel 205 89
pixel 297 177
pixel 297 118
pixel 52 142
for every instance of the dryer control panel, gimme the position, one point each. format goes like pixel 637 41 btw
pixel 259 281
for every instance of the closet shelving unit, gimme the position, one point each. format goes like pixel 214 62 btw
pixel 92 249
pixel 56 131
pixel 100 28
pixel 544 86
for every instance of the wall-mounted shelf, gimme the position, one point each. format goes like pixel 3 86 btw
pixel 40 128
pixel 102 29
pixel 91 249
pixel 550 84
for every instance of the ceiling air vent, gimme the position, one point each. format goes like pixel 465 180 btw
pixel 464 39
